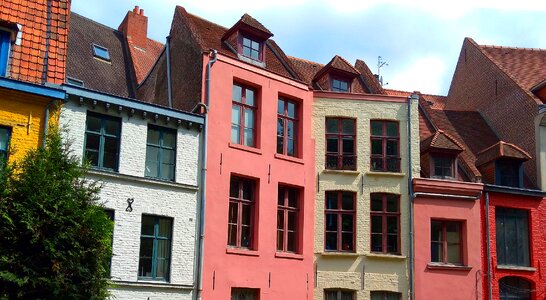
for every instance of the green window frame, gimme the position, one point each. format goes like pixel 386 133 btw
pixel 102 141
pixel 5 137
pixel 160 153
pixel 155 248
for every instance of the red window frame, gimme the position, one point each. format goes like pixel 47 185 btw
pixel 284 118
pixel 236 221
pixel 443 243
pixel 385 295
pixel 385 138
pixel 338 213
pixel 285 208
pixel 385 214
pixel 445 158
pixel 340 156
pixel 244 106
pixel 338 294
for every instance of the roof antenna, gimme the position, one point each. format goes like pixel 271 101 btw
pixel 380 63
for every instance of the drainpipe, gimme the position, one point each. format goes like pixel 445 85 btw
pixel 203 183
pixel 411 196
pixel 48 37
pixel 488 244
pixel 169 84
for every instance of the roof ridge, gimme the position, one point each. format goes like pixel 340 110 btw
pixel 347 62
pixel 201 18
pixel 96 23
pixel 513 48
pixel 304 60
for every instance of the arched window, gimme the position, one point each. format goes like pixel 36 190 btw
pixel 514 288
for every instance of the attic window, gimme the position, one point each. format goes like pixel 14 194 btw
pixel 101 52
pixel 251 48
pixel 443 166
pixel 5 44
pixel 508 173
pixel 74 81
pixel 340 85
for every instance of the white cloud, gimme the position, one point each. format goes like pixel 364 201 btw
pixel 424 75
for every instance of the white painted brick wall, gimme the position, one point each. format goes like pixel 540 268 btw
pixel 176 200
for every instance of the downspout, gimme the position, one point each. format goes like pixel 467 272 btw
pixel 48 37
pixel 203 183
pixel 488 244
pixel 411 196
pixel 169 83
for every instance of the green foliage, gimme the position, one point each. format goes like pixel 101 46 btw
pixel 55 240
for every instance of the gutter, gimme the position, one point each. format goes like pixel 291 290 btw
pixel 203 179
pixel 411 197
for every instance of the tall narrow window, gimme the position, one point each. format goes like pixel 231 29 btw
pixel 287 219
pixel 243 116
pixel 340 85
pixel 160 152
pixel 5 44
pixel 245 294
pixel 155 248
pixel 287 126
pixel 385 218
pixel 5 134
pixel 340 144
pixel 102 135
pixel 512 236
pixel 251 48
pixel 385 146
pixel 340 221
pixel 336 294
pixel 446 242
pixel 241 212
pixel 384 295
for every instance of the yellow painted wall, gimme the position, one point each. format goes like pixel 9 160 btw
pixel 363 271
pixel 24 114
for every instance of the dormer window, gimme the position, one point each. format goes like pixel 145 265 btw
pixel 340 85
pixel 5 44
pixel 251 48
pixel 101 52
pixel 508 173
pixel 443 166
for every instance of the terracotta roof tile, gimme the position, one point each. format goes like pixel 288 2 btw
pixel 441 140
pixel 144 59
pixel 499 150
pixel 369 79
pixel 250 21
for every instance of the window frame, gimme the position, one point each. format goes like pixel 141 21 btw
pixel 4 153
pixel 285 120
pixel 445 157
pixel 444 242
pixel 339 212
pixel 286 209
pixel 155 239
pixel 251 39
pixel 334 79
pixel 97 55
pixel 241 202
pixel 102 135
pixel 385 214
pixel 5 51
pixel 243 106
pixel 502 177
pixel 339 293
pixel 504 294
pixel 340 136
pixel 161 148
pixel 385 295
pixel 254 293
pixel 502 253
pixel 385 138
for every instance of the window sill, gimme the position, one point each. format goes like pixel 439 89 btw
pixel 289 255
pixel 336 171
pixel 334 253
pixel 242 251
pixel 516 268
pixel 386 256
pixel 391 174
pixel 289 158
pixel 99 172
pixel 451 267
pixel 245 148
pixel 152 284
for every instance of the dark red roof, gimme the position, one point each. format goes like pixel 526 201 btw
pixel 368 78
pixel 144 59
pixel 500 150
pixel 441 140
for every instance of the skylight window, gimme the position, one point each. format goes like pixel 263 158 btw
pixel 101 52
pixel 74 81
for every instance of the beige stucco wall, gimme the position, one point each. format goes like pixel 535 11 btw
pixel 362 271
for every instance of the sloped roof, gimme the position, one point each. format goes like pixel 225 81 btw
pixel 114 77
pixel 441 140
pixel 526 66
pixel 337 63
pixel 368 78
pixel 500 150
pixel 434 101
pixel 307 69
pixel 252 24
pixel 209 35
pixel 144 59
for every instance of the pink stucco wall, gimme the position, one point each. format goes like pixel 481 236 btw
pixel 447 282
pixel 225 267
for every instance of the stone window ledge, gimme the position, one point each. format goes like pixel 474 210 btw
pixel 442 266
pixel 152 284
pixel 516 268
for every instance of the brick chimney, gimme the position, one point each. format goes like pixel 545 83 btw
pixel 135 27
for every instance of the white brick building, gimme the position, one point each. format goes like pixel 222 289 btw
pixel 147 159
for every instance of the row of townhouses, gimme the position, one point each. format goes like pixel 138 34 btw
pixel 234 171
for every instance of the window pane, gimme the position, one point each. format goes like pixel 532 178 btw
pixel 237 93
pixel 162 268
pixel 348 126
pixel 249 137
pixel 436 231
pixel 249 100
pixel 392 243
pixel 392 147
pixel 280 144
pixel 232 234
pixel 392 203
pixel 347 201
pixel 377 128
pixel 331 125
pixel 332 145
pixel 377 164
pixel 377 224
pixel 291 110
pixel 377 147
pixel 235 115
pixel 347 241
pixel 247 214
pixel 247 189
pixel 168 157
pixel 169 139
pixel 392 129
pixel 292 198
pixel 4 139
pixel 249 118
pixel 331 241
pixel 348 146
pixel 245 237
pixel 291 246
pixel 436 252
pixel 233 212
pixel 377 202
pixel 280 107
pixel 112 126
pixel 153 136
pixel 146 247
pixel 152 154
pixel 347 223
pixel 163 249
pixel 280 240
pixel 453 253
pixel 148 225
pixel 331 222
pixel 331 200
pixel 377 243
pixel 145 267
pixel 392 224
pixel 290 131
pixel 280 127
pixel 110 159
pixel 93 123
pixel 165 227
pixel 292 220
pixel 235 134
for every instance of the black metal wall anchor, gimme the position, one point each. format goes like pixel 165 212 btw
pixel 129 204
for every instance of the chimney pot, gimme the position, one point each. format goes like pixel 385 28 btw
pixel 135 10
pixel 141 12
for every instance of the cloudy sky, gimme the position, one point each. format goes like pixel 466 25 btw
pixel 420 40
